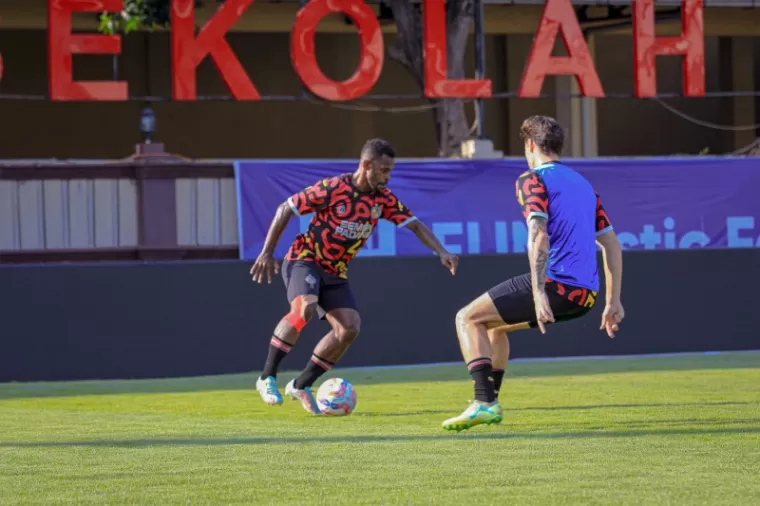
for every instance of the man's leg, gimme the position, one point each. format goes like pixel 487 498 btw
pixel 499 337
pixel 567 303
pixel 474 322
pixel 345 325
pixel 302 282
pixel 499 356
pixel 339 307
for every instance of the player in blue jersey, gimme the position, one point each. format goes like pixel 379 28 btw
pixel 566 220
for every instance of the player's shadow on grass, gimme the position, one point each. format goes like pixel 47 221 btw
pixel 478 433
pixel 559 408
pixel 627 406
pixel 380 414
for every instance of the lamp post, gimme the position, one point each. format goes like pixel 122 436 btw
pixel 147 124
pixel 148 129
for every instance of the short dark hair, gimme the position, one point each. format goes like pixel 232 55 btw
pixel 375 149
pixel 545 132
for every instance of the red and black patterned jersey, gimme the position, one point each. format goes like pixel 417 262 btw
pixel 603 224
pixel 344 218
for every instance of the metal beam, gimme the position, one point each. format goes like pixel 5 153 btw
pixel 268 17
pixel 382 97
pixel 480 62
pixel 597 3
pixel 588 114
pixel 605 3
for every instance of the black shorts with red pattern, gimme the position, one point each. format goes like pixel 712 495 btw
pixel 308 278
pixel 513 299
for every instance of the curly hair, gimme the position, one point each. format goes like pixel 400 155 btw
pixel 545 132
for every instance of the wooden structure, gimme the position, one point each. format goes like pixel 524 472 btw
pixel 145 208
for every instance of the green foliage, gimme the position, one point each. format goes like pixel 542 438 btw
pixel 138 15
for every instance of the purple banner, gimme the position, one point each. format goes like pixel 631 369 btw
pixel 657 203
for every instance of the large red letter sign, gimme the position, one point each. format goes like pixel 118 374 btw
pixel 305 60
pixel 437 83
pixel 559 15
pixel 188 52
pixel 691 45
pixel 62 45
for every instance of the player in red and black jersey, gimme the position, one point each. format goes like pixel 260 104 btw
pixel 346 210
pixel 345 216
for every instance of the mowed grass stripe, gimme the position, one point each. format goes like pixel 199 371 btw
pixel 639 431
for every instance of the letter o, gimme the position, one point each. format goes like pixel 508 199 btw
pixel 304 58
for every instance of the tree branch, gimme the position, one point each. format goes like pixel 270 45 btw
pixel 459 18
pixel 407 48
pixel 450 119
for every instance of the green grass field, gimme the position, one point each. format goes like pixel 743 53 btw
pixel 644 431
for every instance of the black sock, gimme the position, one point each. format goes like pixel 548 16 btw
pixel 498 376
pixel 277 351
pixel 480 370
pixel 317 367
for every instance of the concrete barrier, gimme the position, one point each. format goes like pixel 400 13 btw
pixel 102 321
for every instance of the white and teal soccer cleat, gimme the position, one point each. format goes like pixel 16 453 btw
pixel 476 413
pixel 306 396
pixel 267 388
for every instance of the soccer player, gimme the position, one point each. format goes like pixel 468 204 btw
pixel 346 209
pixel 565 218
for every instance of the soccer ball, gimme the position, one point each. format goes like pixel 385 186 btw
pixel 336 397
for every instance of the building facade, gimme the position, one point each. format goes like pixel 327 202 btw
pixel 297 128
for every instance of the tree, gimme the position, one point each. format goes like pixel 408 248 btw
pixel 138 15
pixel 451 126
pixel 449 116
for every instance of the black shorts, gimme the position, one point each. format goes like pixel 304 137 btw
pixel 514 300
pixel 308 278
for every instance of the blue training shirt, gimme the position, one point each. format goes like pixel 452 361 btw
pixel 575 217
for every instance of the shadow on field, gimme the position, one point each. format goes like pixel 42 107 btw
pixel 475 434
pixel 562 408
pixel 385 376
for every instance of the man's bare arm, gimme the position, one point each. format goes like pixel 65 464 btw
pixel 277 227
pixel 426 236
pixel 265 265
pixel 612 253
pixel 538 251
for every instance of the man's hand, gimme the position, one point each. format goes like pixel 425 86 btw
pixel 543 310
pixel 450 262
pixel 264 265
pixel 611 318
